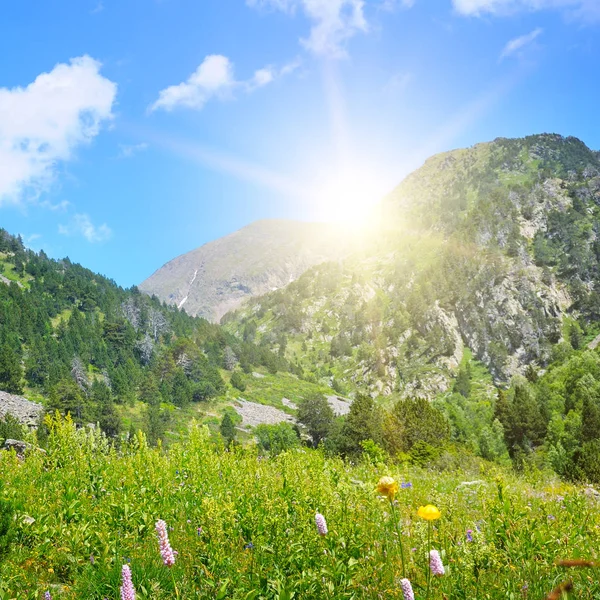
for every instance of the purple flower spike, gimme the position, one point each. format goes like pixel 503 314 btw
pixel 166 551
pixel 321 524
pixel 47 596
pixel 469 535
pixel 127 589
pixel 435 563
pixel 407 590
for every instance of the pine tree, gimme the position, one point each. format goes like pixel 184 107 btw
pixel 11 372
pixel 317 416
pixel 227 429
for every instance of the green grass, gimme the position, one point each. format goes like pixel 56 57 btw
pixel 84 510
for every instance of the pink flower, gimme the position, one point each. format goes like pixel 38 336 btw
pixel 435 563
pixel 321 524
pixel 407 590
pixel 166 551
pixel 127 589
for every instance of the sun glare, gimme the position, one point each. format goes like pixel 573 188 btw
pixel 349 197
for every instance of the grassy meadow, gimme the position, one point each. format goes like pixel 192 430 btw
pixel 243 525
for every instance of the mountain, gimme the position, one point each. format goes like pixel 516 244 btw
pixel 491 250
pixel 264 256
pixel 79 343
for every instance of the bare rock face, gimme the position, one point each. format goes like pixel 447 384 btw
pixel 25 411
pixel 264 256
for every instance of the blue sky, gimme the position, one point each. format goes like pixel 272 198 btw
pixel 132 131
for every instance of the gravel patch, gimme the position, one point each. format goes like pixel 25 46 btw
pixel 340 406
pixel 23 410
pixel 254 414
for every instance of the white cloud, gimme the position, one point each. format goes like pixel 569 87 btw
pixel 334 22
pixel 59 206
pixel 583 9
pixel 81 224
pixel 129 150
pixel 43 123
pixel 391 5
pixel 215 78
pixel 516 45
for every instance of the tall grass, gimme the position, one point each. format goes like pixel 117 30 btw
pixel 243 526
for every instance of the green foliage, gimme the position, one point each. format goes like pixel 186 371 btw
pixel 11 372
pixel 257 536
pixel 227 429
pixel 414 421
pixel 10 428
pixel 237 381
pixel 7 525
pixel 276 439
pixel 317 416
pixel 363 422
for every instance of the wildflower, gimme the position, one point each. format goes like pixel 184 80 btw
pixel 127 589
pixel 199 530
pixel 92 559
pixel 387 487
pixel 407 590
pixel 321 524
pixel 429 512
pixel 249 546
pixel 166 551
pixel 47 596
pixel 406 485
pixel 469 535
pixel 435 563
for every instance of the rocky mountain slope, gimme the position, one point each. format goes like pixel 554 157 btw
pixel 259 258
pixel 492 248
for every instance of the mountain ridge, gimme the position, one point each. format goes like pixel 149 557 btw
pixel 491 248
pixel 265 255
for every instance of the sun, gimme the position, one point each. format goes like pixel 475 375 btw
pixel 349 196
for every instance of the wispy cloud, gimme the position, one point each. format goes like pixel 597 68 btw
pixel 586 10
pixel 334 22
pixel 61 206
pixel 129 150
pixel 81 225
pixel 42 124
pixel 516 45
pixel 215 78
pixel 98 8
pixel 29 239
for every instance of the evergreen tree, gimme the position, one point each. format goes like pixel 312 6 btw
pixel 11 372
pixel 317 416
pixel 107 415
pixel 227 429
pixel 363 422
pixel 66 397
pixel 462 385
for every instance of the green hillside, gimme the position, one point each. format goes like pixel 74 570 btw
pixel 78 343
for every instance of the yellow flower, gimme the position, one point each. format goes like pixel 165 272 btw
pixel 429 512
pixel 388 487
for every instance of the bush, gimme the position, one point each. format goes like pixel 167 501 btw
pixel 277 438
pixel 237 381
